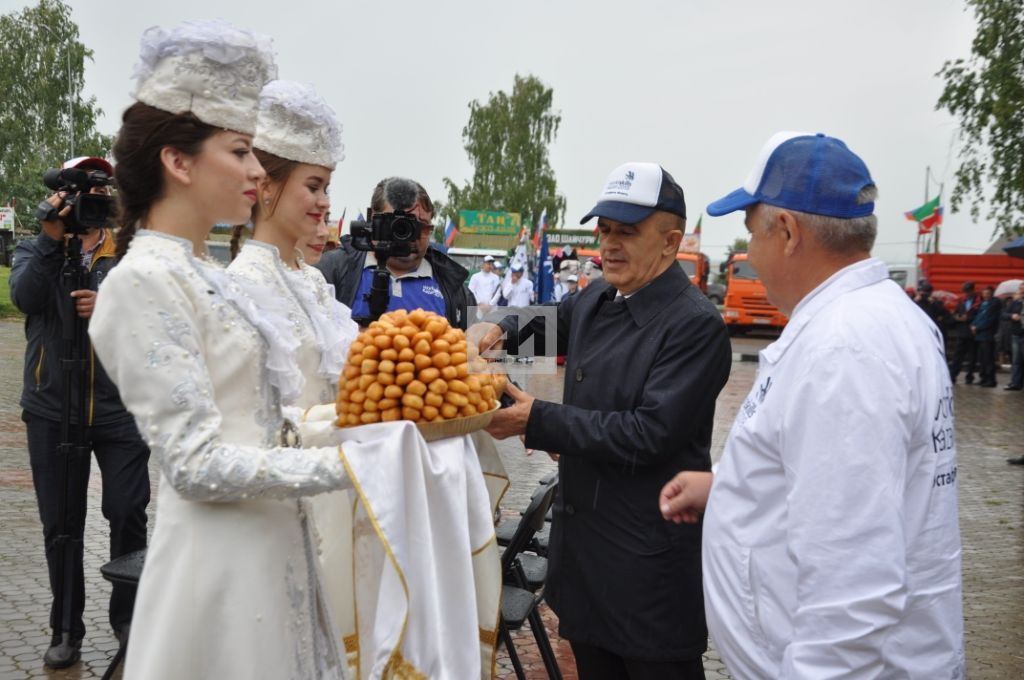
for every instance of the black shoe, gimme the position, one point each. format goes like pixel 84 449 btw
pixel 63 651
pixel 1015 461
pixel 969 380
pixel 1012 388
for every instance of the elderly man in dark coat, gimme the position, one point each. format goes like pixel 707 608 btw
pixel 647 357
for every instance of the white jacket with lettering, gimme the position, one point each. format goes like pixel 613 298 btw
pixel 831 541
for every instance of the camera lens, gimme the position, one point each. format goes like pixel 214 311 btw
pixel 404 229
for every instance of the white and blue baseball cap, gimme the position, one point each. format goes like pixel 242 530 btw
pixel 634 191
pixel 806 172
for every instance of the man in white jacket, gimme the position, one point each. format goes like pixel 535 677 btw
pixel 831 541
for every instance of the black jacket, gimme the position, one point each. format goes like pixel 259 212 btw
pixel 37 290
pixel 641 379
pixel 343 268
pixel 1009 309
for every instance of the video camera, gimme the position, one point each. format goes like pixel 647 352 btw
pixel 389 234
pixel 88 210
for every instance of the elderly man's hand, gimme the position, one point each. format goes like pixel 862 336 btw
pixel 485 336
pixel 684 498
pixel 511 421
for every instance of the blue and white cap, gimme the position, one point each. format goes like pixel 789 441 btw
pixel 635 190
pixel 806 172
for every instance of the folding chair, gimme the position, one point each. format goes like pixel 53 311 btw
pixel 539 542
pixel 518 600
pixel 124 570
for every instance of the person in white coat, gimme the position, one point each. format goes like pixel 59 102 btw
pixel 831 539
pixel 484 284
pixel 230 585
pixel 517 289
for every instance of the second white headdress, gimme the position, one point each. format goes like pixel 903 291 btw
pixel 295 123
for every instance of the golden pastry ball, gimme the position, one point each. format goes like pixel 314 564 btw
pixel 414 366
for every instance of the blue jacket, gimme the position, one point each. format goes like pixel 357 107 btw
pixel 987 320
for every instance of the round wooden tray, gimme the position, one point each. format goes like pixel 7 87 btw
pixel 457 426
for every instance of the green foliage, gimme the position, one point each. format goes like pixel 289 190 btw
pixel 507 142
pixel 40 47
pixel 739 245
pixel 986 92
pixel 7 308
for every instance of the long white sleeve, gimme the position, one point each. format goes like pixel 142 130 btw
pixel 154 335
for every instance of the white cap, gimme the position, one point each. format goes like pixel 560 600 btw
pixel 499 264
pixel 488 258
pixel 517 267
pixel 573 278
pixel 211 68
pixel 295 123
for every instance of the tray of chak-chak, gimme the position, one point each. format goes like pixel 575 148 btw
pixel 415 366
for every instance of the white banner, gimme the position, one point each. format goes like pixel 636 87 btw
pixel 7 218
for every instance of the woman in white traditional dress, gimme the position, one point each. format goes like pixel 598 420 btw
pixel 230 588
pixel 298 144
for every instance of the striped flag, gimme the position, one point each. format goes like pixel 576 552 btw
pixel 542 225
pixel 450 232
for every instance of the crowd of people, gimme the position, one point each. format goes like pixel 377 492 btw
pixel 824 544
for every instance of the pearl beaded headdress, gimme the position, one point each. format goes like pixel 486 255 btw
pixel 211 68
pixel 295 123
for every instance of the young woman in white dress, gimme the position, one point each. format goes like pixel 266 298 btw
pixel 298 144
pixel 230 588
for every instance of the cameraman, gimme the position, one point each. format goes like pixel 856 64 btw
pixel 427 278
pixel 37 289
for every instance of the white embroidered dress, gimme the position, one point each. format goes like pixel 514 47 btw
pixel 322 326
pixel 230 586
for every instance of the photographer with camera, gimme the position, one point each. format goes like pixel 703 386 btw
pixel 396 234
pixel 67 397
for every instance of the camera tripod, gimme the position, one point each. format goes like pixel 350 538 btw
pixel 74 376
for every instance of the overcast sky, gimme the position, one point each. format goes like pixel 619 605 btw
pixel 695 85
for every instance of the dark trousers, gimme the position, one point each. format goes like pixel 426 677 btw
pixel 987 361
pixel 966 349
pixel 123 460
pixel 1017 374
pixel 595 663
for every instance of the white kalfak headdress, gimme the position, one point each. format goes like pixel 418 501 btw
pixel 295 123
pixel 211 68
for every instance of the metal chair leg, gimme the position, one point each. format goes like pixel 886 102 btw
pixel 547 654
pixel 511 649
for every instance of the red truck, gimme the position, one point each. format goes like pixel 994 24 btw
pixel 948 272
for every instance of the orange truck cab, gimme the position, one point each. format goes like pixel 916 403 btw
pixel 746 300
pixel 697 267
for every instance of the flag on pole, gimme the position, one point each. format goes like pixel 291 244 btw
pixel 541 226
pixel 925 211
pixel 544 286
pixel 927 224
pixel 696 231
pixel 450 232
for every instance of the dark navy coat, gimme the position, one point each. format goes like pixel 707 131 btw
pixel 641 380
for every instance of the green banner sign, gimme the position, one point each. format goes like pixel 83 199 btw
pixel 487 222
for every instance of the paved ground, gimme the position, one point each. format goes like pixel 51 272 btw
pixel 990 427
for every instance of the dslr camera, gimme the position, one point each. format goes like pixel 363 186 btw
pixel 88 210
pixel 390 234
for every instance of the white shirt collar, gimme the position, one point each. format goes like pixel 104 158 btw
pixel 851 277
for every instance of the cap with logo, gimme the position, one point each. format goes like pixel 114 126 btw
pixel 635 190
pixel 806 172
